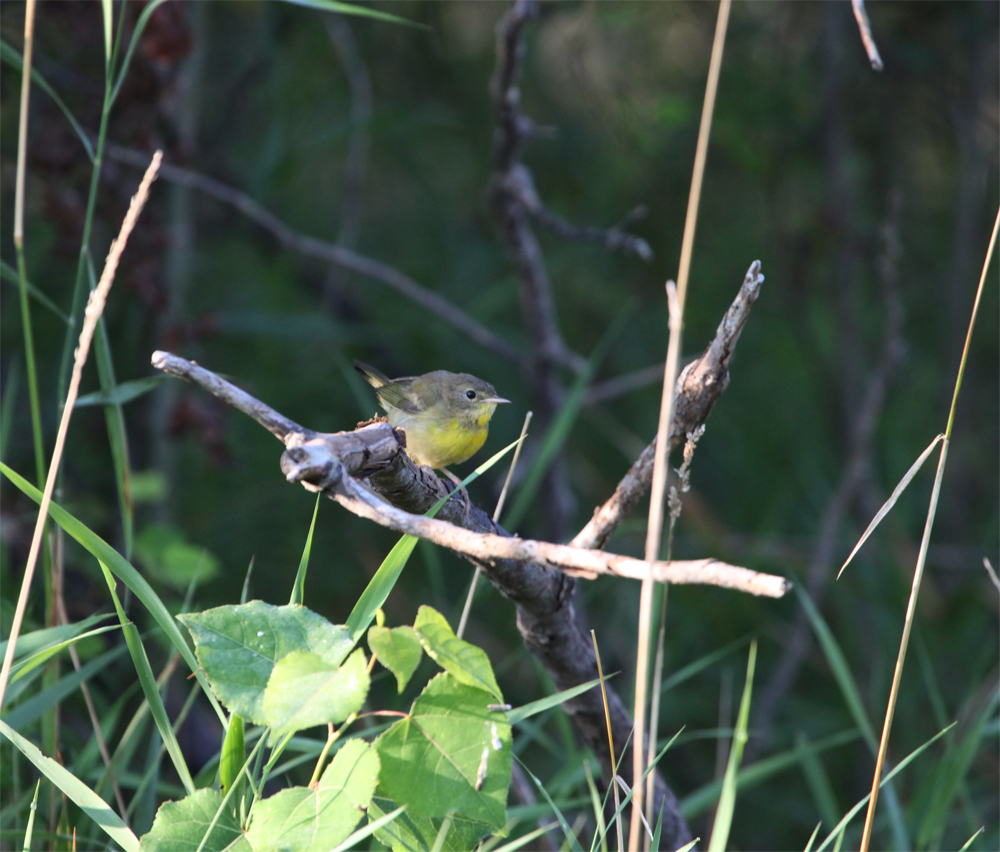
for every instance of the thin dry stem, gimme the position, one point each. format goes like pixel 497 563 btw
pixel 496 519
pixel 611 741
pixel 918 573
pixel 861 16
pixel 22 127
pixel 95 306
pixel 655 525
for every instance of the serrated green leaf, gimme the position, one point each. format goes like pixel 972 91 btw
pixel 317 820
pixel 398 649
pixel 451 754
pixel 237 647
pixel 181 826
pixel 467 663
pixel 304 690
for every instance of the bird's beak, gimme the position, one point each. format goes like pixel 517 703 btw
pixel 495 400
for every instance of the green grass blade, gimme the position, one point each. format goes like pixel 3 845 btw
pixel 699 665
pixel 121 393
pixel 352 841
pixel 9 274
pixel 39 640
pixel 519 714
pixel 817 779
pixel 19 670
pixel 702 799
pixel 140 25
pixel 838 665
pixel 385 578
pixel 361 11
pixel 727 801
pixel 574 844
pixel 13 58
pixel 115 418
pixel 968 842
pixel 107 14
pixel 31 709
pixel 26 847
pixel 953 770
pixel 812 837
pixel 147 680
pixel 899 767
pixel 93 805
pixel 299 586
pixel 121 568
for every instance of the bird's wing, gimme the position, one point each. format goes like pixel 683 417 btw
pixel 397 395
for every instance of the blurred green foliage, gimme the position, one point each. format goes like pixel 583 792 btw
pixel 809 149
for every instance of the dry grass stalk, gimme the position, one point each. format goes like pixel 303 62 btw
pixel 95 306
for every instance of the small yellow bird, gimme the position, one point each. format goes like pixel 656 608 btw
pixel 446 415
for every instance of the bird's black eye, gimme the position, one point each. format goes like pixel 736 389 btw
pixel 470 394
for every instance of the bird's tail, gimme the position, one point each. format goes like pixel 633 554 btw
pixel 376 378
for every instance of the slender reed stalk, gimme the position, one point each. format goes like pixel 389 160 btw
pixel 496 518
pixel 922 555
pixel 95 306
pixel 655 524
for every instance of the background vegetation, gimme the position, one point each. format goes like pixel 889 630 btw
pixel 378 136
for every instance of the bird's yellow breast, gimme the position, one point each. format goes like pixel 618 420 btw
pixel 439 442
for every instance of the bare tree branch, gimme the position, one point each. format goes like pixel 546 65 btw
pixel 699 385
pixel 329 252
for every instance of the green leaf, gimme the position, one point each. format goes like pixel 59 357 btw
pixel 181 826
pixel 380 586
pixel 237 647
pixel 93 805
pixel 168 558
pixel 450 754
pixel 316 820
pixel 233 754
pixel 409 833
pixel 398 649
pixel 304 690
pixel 121 393
pixel 467 663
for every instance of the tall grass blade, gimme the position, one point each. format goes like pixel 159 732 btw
pixel 702 663
pixel 140 25
pixel 951 774
pixel 519 714
pixel 13 58
pixel 115 418
pixel 968 842
pixel 121 568
pixel 19 670
pixel 812 837
pixel 574 844
pixel 30 710
pixel 147 680
pixel 727 801
pixel 299 586
pixel 121 393
pixel 899 767
pixel 93 805
pixel 352 841
pixel 382 583
pixel 852 698
pixel 26 847
pixel 9 274
pixel 897 491
pixel 107 14
pixel 702 799
pixel 361 11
